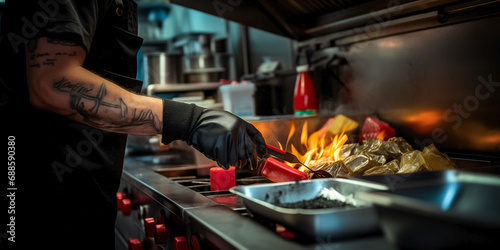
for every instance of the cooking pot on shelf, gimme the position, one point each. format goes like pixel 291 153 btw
pixel 204 67
pixel 162 68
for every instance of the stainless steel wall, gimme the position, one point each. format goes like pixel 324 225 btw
pixel 438 85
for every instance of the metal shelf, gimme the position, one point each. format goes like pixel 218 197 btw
pixel 182 87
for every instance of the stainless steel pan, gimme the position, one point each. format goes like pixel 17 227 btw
pixel 329 223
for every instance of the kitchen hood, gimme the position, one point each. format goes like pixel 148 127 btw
pixel 302 20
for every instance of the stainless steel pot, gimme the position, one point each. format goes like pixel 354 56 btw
pixel 203 75
pixel 162 68
pixel 202 68
pixel 199 61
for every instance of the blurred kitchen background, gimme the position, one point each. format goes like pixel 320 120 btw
pixel 429 68
pixel 203 52
pixel 414 64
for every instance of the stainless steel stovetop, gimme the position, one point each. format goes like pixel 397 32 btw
pixel 194 216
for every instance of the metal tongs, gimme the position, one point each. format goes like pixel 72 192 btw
pixel 289 157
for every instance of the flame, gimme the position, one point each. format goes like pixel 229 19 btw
pixel 316 145
pixel 381 135
pixel 424 121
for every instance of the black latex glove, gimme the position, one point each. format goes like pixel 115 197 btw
pixel 219 135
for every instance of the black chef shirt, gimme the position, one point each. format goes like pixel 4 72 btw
pixel 67 173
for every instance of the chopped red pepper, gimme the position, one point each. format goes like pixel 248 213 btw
pixel 375 128
pixel 221 179
pixel 277 171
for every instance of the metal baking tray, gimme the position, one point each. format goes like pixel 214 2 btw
pixel 328 223
pixel 461 209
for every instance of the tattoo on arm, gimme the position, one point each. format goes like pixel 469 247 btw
pixel 62 41
pixel 32 45
pixel 37 60
pixel 100 112
pixel 35 65
pixel 46 59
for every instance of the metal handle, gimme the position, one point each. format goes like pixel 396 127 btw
pixel 276 152
pixel 282 154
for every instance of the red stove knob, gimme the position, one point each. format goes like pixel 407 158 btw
pixel 126 207
pixel 134 244
pixel 161 234
pixel 149 226
pixel 180 243
pixel 119 198
pixel 195 243
pixel 288 235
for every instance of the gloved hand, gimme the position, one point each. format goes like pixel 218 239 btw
pixel 219 135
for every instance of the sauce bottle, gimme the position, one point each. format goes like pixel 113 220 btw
pixel 305 101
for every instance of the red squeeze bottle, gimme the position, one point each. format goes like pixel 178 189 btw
pixel 305 101
pixel 278 171
pixel 221 179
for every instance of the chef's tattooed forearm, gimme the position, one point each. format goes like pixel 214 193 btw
pixel 99 110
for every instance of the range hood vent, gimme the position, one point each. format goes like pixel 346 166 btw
pixel 305 19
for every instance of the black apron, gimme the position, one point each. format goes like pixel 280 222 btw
pixel 79 171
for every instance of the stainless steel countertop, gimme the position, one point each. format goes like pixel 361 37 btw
pixel 224 227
